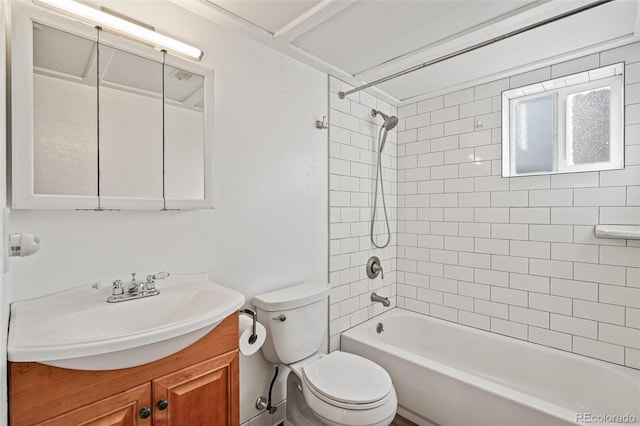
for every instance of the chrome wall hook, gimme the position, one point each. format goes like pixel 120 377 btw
pixel 322 124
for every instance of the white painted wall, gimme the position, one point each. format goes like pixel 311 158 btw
pixel 269 225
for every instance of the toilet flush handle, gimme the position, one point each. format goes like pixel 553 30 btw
pixel 281 317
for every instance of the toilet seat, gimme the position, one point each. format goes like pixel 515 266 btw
pixel 347 381
pixel 346 389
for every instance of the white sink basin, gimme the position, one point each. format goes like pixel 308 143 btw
pixel 78 329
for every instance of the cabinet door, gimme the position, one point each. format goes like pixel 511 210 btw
pixel 130 130
pixel 205 394
pixel 123 409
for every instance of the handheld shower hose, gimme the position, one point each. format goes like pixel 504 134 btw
pixel 389 123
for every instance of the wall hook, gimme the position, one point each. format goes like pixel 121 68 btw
pixel 322 124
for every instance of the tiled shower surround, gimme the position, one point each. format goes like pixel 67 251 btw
pixel 517 256
pixel 514 256
pixel 353 141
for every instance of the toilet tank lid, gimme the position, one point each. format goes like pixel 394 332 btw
pixel 291 297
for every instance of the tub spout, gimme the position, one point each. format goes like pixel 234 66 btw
pixel 384 300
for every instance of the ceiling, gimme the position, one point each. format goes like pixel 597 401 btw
pixel 364 40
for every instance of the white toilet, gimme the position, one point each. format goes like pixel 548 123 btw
pixel 338 389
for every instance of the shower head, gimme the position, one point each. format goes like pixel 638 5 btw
pixel 389 122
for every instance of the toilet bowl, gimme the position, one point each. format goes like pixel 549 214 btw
pixel 336 389
pixel 345 389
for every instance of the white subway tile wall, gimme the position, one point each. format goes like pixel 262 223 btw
pixel 515 256
pixel 353 141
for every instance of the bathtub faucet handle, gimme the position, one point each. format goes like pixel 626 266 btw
pixel 377 267
pixel 374 267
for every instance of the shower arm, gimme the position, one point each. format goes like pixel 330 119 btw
pixel 476 46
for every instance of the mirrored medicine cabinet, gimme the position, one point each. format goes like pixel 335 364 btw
pixel 101 122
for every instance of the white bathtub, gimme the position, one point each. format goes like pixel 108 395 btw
pixel 452 375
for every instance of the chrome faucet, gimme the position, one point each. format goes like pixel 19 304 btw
pixel 384 300
pixel 133 286
pixel 136 289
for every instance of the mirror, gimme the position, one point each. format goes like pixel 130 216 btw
pixel 130 125
pixel 102 122
pixel 184 134
pixel 65 136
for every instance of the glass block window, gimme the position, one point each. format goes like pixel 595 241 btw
pixel 568 124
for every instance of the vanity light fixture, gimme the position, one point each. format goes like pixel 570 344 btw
pixel 121 26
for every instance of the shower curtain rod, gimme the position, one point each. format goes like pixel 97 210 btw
pixel 342 95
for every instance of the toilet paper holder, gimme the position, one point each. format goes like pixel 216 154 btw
pixel 254 336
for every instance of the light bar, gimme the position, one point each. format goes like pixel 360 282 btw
pixel 114 24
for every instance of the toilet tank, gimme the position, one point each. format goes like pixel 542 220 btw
pixel 304 310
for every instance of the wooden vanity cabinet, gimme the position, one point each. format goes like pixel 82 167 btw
pixel 198 386
pixel 119 410
pixel 199 395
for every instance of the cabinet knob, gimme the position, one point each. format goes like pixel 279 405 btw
pixel 163 404
pixel 145 412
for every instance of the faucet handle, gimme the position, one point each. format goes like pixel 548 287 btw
pixel 377 267
pixel 118 288
pixel 151 283
pixel 374 267
pixel 157 276
pixel 161 275
pixel 151 279
pixel 133 277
